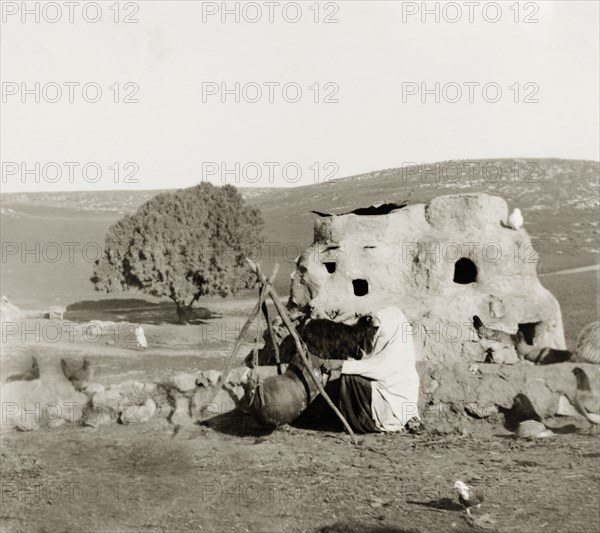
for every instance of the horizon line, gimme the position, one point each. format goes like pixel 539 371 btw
pixel 297 186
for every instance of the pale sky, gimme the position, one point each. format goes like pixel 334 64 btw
pixel 368 57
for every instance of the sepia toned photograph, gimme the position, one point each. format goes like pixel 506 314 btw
pixel 300 266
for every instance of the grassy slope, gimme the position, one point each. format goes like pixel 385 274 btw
pixel 559 200
pixel 578 295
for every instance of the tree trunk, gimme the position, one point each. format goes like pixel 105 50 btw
pixel 184 313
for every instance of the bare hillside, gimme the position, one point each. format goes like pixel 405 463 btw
pixel 559 199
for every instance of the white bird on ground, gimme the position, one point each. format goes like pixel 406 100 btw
pixel 515 220
pixel 468 496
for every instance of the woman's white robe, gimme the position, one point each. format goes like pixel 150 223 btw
pixel 392 367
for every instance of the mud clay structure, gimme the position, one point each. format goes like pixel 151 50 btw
pixel 441 263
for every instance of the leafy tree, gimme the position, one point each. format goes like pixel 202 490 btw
pixel 183 245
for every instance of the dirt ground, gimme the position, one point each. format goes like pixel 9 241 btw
pixel 128 478
pixel 232 475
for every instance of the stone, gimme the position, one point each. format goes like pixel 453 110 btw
pixel 531 429
pixel 104 408
pixel 93 388
pixel 204 407
pixel 181 414
pixel 138 414
pixel 96 415
pixel 207 378
pixel 135 400
pixel 477 411
pixel 565 407
pixel 238 375
pixel 183 382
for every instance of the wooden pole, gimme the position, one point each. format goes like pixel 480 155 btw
pixel 265 311
pixel 238 343
pixel 272 335
pixel 270 290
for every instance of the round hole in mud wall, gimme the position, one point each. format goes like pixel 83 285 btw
pixel 465 271
pixel 330 267
pixel 360 286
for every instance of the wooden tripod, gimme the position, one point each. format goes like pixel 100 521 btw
pixel 267 289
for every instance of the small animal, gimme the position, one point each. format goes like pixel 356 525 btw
pixel 521 410
pixel 539 355
pixel 587 401
pixel 326 339
pixel 494 339
pixel 78 377
pixel 28 375
pixel 515 220
pixel 499 345
pixel 468 496
pixel 523 419
pixel 493 335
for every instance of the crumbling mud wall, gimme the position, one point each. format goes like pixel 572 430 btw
pixel 441 263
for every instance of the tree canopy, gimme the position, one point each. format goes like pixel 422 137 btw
pixel 183 245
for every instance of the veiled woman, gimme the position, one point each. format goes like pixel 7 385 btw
pixel 379 393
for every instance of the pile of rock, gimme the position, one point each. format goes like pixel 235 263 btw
pixel 183 399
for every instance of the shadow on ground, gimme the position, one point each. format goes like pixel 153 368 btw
pixel 238 424
pixel 442 504
pixel 132 310
pixel 352 527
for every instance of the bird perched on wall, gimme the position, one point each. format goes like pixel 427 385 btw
pixel 468 496
pixel 78 377
pixel 490 334
pixel 587 401
pixel 542 355
pixel 515 220
pixel 29 375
